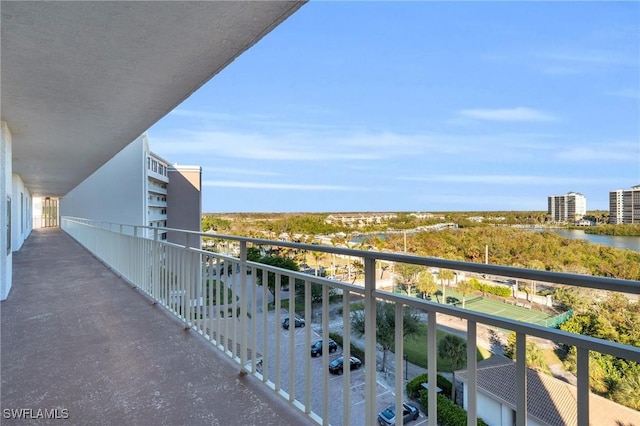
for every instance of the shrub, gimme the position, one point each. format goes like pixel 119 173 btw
pixel 493 289
pixel 414 386
pixel 449 414
pixel 355 351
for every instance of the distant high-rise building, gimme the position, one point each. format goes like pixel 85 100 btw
pixel 624 205
pixel 567 208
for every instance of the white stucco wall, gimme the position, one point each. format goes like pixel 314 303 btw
pixel 21 223
pixel 113 193
pixel 490 411
pixel 494 412
pixel 5 191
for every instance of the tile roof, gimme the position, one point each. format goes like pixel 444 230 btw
pixel 549 400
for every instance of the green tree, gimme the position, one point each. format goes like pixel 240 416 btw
pixel 253 254
pixel 627 391
pixel 316 291
pixel 465 287
pixel 386 326
pixel 534 356
pixel 453 348
pixel 407 275
pixel 426 283
pixel 445 275
pixel 283 262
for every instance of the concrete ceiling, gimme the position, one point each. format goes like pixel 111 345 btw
pixel 81 80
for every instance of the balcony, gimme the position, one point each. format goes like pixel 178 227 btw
pixel 140 366
pixel 76 337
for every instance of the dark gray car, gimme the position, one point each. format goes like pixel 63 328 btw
pixel 387 417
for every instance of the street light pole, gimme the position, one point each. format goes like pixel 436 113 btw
pixel 406 367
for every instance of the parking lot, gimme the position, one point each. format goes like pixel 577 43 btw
pixel 385 396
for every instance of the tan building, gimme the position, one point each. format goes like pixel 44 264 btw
pixel 184 202
pixel 624 205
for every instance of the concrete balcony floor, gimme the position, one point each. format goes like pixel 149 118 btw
pixel 77 337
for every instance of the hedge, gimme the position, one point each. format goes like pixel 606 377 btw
pixel 449 414
pixel 414 386
pixel 355 351
pixel 493 289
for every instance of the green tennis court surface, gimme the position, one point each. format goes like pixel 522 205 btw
pixel 500 308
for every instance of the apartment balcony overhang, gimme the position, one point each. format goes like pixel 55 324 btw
pixel 81 80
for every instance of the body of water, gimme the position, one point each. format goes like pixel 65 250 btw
pixel 631 243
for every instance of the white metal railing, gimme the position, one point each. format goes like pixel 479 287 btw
pixel 214 294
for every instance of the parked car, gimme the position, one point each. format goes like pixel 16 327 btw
pixel 316 348
pixel 299 322
pixel 336 366
pixel 387 417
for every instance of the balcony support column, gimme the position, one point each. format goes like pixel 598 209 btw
pixel 370 340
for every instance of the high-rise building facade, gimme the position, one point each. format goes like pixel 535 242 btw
pixel 567 208
pixel 624 205
pixel 134 188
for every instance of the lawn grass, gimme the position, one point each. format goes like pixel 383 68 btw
pixel 416 350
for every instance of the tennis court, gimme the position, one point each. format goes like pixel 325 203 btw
pixel 500 308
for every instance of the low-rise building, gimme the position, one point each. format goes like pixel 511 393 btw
pixel 550 401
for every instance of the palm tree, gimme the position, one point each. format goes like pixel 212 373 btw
pixel 465 287
pixel 317 255
pixel 358 269
pixel 445 275
pixel 453 348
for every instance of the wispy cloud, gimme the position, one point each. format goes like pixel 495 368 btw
pixel 507 114
pixel 278 186
pixel 294 145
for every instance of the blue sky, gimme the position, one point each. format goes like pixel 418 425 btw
pixel 419 106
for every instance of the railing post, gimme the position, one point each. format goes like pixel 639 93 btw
pixel 244 306
pixel 472 378
pixel 521 379
pixel 583 386
pixel 346 353
pixel 370 340
pixel 432 367
pixel 399 352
